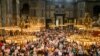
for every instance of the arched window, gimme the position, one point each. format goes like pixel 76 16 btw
pixel 25 9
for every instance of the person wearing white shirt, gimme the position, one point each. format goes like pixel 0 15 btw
pixel 59 53
pixel 71 54
pixel 7 51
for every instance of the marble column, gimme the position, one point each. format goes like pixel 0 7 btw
pixel 9 12
pixel 18 12
pixel 0 15
pixel 3 12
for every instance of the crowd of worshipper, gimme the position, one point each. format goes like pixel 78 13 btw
pixel 51 42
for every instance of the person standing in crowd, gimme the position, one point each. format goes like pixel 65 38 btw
pixel 51 42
